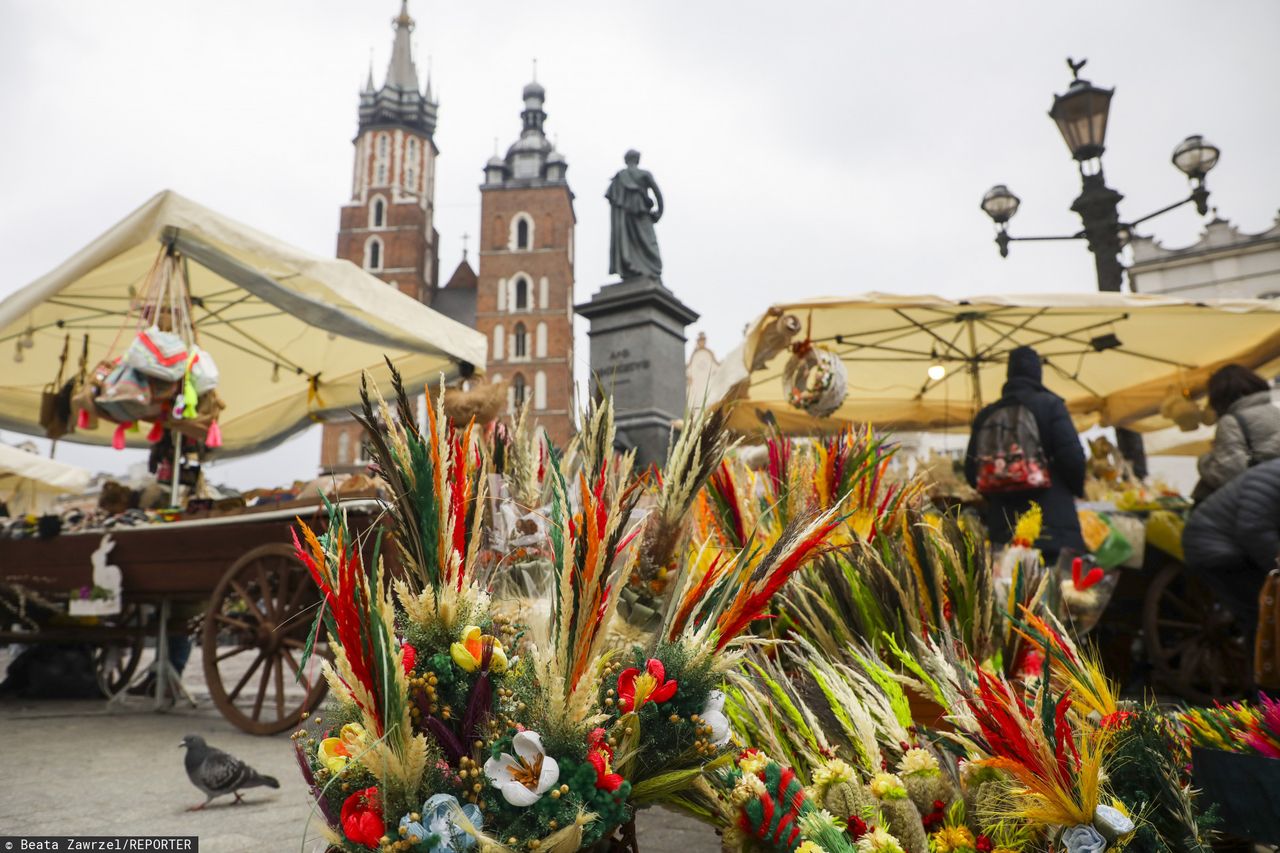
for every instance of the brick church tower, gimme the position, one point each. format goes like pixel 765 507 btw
pixel 524 293
pixel 387 227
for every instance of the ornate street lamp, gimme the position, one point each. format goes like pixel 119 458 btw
pixel 1081 115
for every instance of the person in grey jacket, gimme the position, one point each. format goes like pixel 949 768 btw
pixel 1232 539
pixel 1248 427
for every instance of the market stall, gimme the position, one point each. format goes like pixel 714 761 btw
pixel 925 362
pixel 291 333
pixel 198 331
pixel 1125 360
pixel 29 482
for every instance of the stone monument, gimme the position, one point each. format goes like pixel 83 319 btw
pixel 637 324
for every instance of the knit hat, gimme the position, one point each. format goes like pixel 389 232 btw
pixel 1025 362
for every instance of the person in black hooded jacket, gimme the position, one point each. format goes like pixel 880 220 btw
pixel 1232 539
pixel 1062 448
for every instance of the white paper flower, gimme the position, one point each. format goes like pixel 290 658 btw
pixel 1083 839
pixel 714 716
pixel 878 841
pixel 917 761
pixel 524 777
pixel 1112 821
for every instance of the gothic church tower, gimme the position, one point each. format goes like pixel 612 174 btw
pixel 388 225
pixel 524 295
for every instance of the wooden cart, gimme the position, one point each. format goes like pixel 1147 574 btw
pixel 252 602
pixel 1192 645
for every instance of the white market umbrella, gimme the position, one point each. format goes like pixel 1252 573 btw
pixel 290 332
pixel 29 482
pixel 1113 357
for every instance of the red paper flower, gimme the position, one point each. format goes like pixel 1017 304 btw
pixel 1032 663
pixel 1116 720
pixel 856 827
pixel 362 817
pixel 935 817
pixel 600 755
pixel 410 657
pixel 983 844
pixel 635 688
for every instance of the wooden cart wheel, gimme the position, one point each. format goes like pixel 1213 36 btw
pixel 115 664
pixel 253 636
pixel 1193 642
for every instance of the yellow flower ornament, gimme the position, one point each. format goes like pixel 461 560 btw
pixel 335 752
pixel 469 652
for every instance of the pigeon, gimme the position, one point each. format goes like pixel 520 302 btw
pixel 218 773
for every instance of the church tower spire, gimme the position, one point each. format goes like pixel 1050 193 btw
pixel 401 72
pixel 399 101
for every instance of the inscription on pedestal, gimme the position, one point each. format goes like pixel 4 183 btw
pixel 621 364
pixel 637 355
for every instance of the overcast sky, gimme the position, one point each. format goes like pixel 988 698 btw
pixel 803 148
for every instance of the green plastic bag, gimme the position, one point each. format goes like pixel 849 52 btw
pixel 1114 550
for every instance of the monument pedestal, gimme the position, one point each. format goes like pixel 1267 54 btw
pixel 637 355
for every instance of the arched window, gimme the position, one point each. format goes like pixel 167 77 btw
pixel 540 341
pixel 411 164
pixel 344 448
pixel 520 298
pixel 378 213
pixel 498 336
pixel 518 390
pixel 373 254
pixel 539 390
pixel 519 342
pixel 521 237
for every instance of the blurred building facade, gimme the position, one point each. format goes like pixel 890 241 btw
pixel 1224 263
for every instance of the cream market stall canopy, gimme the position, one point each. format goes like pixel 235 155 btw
pixel 29 482
pixel 290 332
pixel 924 362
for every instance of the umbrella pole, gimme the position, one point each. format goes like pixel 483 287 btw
pixel 974 379
pixel 174 485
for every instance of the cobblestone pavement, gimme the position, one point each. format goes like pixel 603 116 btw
pixel 80 768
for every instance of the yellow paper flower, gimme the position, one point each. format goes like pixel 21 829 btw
pixel 808 847
pixel 1027 530
pixel 333 754
pixel 352 735
pixel 887 786
pixel 831 772
pixel 469 651
pixel 951 838
pixel 753 763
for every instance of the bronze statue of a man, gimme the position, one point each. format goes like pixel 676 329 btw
pixel 633 245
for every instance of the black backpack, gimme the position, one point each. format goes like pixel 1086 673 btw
pixel 1009 455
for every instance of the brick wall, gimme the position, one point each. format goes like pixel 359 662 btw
pixel 409 259
pixel 548 257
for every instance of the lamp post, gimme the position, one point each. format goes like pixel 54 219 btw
pixel 1081 115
